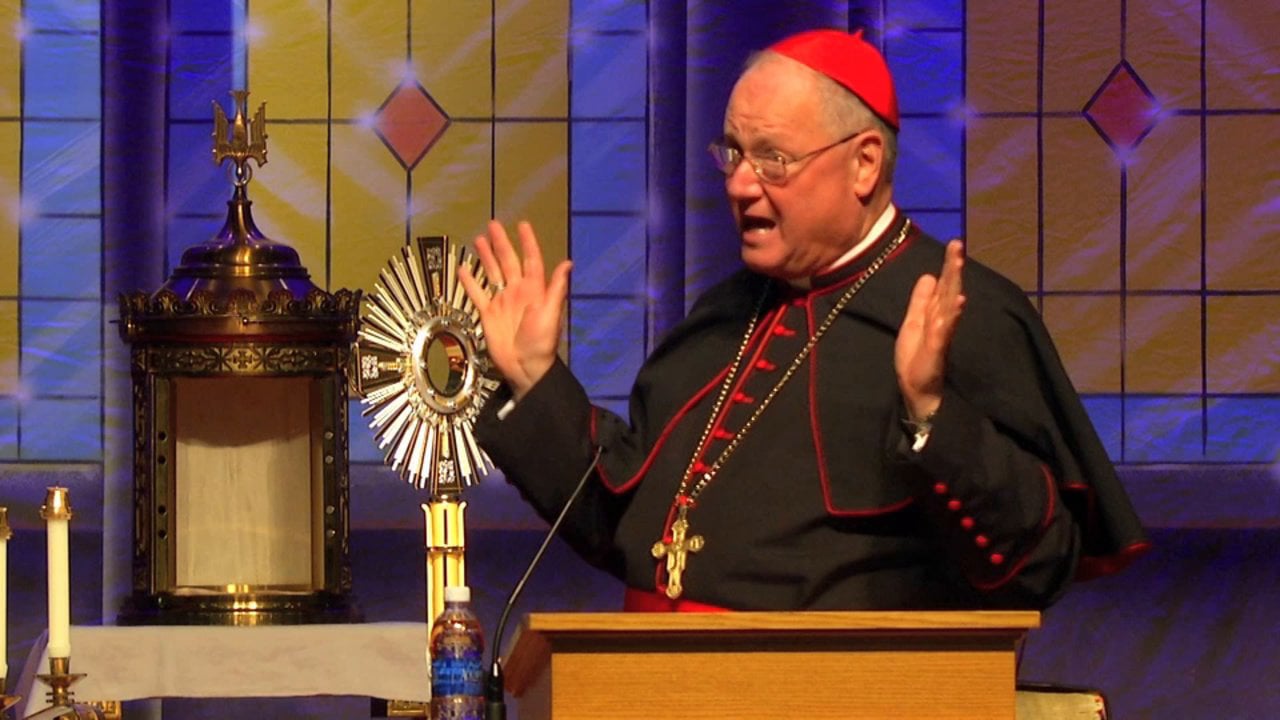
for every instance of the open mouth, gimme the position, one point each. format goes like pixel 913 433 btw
pixel 750 224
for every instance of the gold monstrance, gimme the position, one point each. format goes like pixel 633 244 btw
pixel 424 375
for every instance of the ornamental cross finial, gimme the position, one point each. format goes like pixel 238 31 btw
pixel 677 551
pixel 239 139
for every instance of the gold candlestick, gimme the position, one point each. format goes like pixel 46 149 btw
pixel 61 698
pixel 57 513
pixel 60 679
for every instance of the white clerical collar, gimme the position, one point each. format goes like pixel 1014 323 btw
pixel 881 224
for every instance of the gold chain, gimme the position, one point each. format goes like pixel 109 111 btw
pixel 690 495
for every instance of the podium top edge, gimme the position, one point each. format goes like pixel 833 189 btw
pixel 804 621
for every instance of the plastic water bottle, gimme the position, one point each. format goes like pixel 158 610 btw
pixel 457 659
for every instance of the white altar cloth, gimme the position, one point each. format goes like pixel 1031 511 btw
pixel 380 660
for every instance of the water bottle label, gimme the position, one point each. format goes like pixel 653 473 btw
pixel 457 675
pixel 458 709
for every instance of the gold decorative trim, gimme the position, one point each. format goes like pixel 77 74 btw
pixel 109 709
pixel 241 301
pixel 57 504
pixel 243 359
pixel 407 709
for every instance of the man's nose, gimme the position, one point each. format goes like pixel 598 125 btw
pixel 742 181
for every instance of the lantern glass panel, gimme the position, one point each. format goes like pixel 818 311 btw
pixel 245 456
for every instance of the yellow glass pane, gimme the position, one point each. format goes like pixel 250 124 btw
pixel 370 54
pixel 10 176
pixel 1241 55
pixel 1242 217
pixel 288 193
pixel 452 44
pixel 10 60
pixel 1081 208
pixel 531 77
pixel 367 213
pixel 532 182
pixel 1086 330
pixel 1000 64
pixel 1162 43
pixel 288 59
pixel 1081 47
pixel 1243 344
pixel 1163 234
pixel 8 347
pixel 452 186
pixel 1002 220
pixel 1162 344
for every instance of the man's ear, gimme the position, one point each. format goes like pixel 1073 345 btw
pixel 869 159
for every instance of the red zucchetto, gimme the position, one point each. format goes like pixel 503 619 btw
pixel 849 60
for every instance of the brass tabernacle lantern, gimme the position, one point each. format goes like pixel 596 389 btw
pixel 241 479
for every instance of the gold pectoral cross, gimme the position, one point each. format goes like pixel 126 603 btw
pixel 677 551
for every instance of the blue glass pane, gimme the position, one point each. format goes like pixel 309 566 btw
pixel 61 257
pixel 363 448
pixel 184 233
pixel 62 347
pixel 8 428
pixel 61 167
pixel 62 15
pixel 926 70
pixel 200 73
pixel 196 185
pixel 608 166
pixel 609 15
pixel 202 15
pixel 1163 429
pixel 941 225
pixel 62 430
pixel 1244 429
pixel 606 344
pixel 1106 412
pixel 61 77
pixel 924 13
pixel 608 255
pixel 929 168
pixel 609 75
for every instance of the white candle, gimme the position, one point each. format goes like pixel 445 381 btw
pixel 57 515
pixel 5 534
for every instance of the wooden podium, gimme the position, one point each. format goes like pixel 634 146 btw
pixel 747 665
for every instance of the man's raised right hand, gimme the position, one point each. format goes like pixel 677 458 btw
pixel 524 317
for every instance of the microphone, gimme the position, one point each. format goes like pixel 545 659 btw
pixel 494 691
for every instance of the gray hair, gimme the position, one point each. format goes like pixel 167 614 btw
pixel 844 113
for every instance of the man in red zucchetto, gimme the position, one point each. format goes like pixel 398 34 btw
pixel 859 418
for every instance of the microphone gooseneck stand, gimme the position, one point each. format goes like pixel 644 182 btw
pixel 494 691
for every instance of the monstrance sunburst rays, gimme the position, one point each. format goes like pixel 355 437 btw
pixel 424 372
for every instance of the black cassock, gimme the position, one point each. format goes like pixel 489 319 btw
pixel 823 504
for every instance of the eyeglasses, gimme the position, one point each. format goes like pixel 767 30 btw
pixel 769 168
